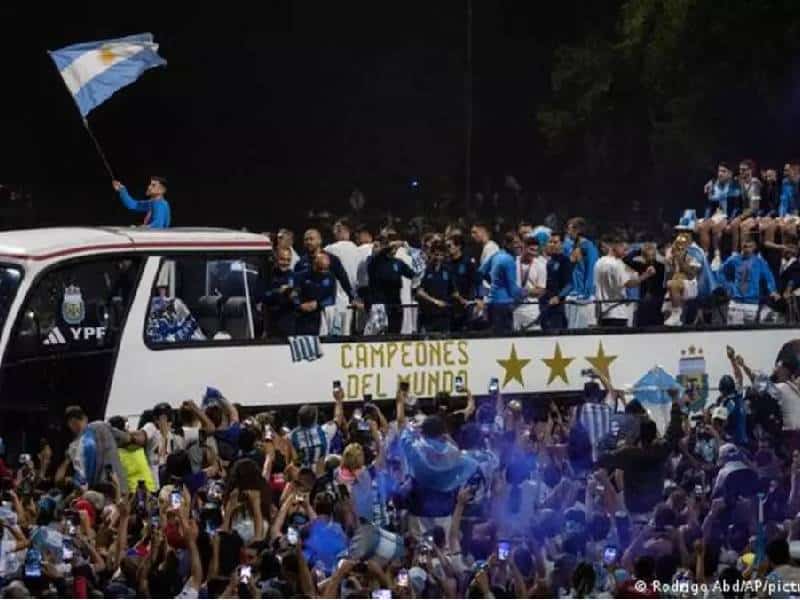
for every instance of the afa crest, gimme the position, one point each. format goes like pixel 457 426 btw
pixel 692 375
pixel 73 309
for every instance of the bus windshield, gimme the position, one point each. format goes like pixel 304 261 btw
pixel 10 278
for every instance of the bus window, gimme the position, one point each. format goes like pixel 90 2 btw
pixel 79 306
pixel 206 298
pixel 9 282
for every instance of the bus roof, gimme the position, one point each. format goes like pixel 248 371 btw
pixel 47 243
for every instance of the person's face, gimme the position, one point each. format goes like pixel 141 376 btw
pixel 618 249
pixel 786 168
pixel 284 259
pixel 524 230
pixel 322 263
pixel 572 231
pixel 286 239
pixel 789 252
pixel 748 248
pixel 155 189
pixel 649 252
pixel 163 420
pixel 745 172
pixel 364 237
pixel 478 235
pixel 531 251
pixel 312 240
pixel 723 173
pixel 718 424
pixel 516 246
pixel 554 247
pixel 794 173
pixel 341 233
pixel 438 257
pixel 76 426
pixel 771 176
pixel 453 250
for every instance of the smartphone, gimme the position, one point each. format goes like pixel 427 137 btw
pixel 245 572
pixel 610 555
pixel 402 578
pixel 155 521
pixel 458 384
pixel 363 425
pixel 404 387
pixel 382 594
pixel 33 563
pixel 357 414
pixel 494 385
pixel 698 491
pixel 176 499
pixel 67 549
pixel 337 385
pixel 291 536
pixel 503 550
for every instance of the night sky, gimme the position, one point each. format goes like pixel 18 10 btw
pixel 259 117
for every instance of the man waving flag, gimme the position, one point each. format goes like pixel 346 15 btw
pixel 93 71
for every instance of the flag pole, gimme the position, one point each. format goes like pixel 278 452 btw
pixel 98 148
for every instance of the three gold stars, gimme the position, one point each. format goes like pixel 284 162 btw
pixel 513 367
pixel 557 365
pixel 601 362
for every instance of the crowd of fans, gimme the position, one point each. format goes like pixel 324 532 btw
pixel 445 497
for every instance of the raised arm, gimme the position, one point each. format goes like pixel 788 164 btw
pixel 128 201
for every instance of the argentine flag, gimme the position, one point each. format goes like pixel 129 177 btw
pixel 93 71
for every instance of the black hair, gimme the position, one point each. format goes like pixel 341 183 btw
pixel 647 432
pixel 247 440
pixel 456 239
pixel 117 422
pixel 778 552
pixel 433 426
pixel 634 407
pixel 74 412
pixel 644 568
pixel 160 179
pixel 162 408
pixel 307 415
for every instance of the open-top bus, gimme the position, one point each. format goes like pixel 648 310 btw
pixel 77 310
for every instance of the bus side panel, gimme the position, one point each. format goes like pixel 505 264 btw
pixel 264 374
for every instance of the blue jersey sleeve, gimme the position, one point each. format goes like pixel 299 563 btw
pixel 131 203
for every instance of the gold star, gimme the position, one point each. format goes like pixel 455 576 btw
pixel 557 365
pixel 602 361
pixel 513 367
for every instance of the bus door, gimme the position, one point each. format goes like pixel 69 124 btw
pixel 63 347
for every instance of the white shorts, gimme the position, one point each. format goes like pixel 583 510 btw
pixel 580 313
pixel 742 314
pixel 525 316
pixel 689 289
pixel 330 322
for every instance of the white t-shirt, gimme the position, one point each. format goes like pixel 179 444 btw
pixel 347 252
pixel 790 405
pixel 154 441
pixel 530 276
pixel 610 277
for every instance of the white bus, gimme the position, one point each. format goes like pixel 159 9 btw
pixel 117 320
